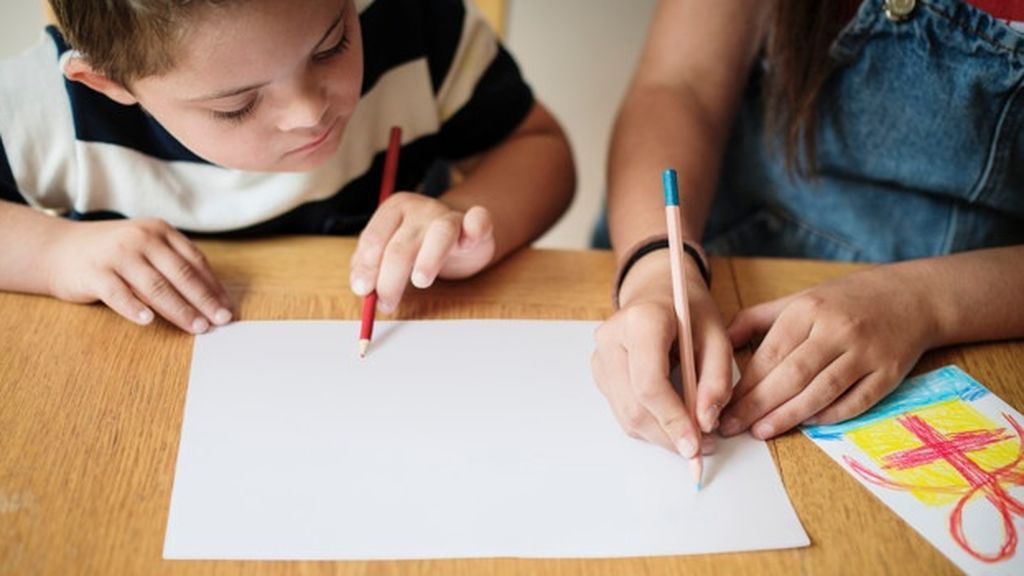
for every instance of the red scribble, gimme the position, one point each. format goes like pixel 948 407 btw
pixel 953 449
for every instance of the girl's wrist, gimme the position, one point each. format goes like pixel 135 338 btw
pixel 930 315
pixel 649 280
pixel 939 311
pixel 695 260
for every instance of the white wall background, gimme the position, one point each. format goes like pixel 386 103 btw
pixel 577 54
pixel 21 22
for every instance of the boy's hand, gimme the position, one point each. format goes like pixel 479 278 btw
pixel 417 238
pixel 829 353
pixel 632 360
pixel 137 267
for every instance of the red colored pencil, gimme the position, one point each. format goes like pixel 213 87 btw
pixel 387 184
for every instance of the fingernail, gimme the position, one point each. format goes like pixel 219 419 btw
pixel 686 448
pixel 360 287
pixel 420 280
pixel 730 426
pixel 222 316
pixel 711 415
pixel 385 307
pixel 145 316
pixel 200 325
pixel 763 430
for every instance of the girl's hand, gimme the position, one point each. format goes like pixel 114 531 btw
pixel 632 360
pixel 829 353
pixel 417 238
pixel 137 267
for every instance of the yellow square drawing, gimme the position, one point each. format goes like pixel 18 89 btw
pixel 983 443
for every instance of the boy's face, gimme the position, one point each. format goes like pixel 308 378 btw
pixel 262 85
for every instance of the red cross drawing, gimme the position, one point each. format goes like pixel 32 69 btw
pixel 953 449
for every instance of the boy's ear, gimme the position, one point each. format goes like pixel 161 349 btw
pixel 77 69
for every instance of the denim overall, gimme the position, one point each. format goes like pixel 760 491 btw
pixel 920 147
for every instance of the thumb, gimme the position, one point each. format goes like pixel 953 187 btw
pixel 476 226
pixel 755 321
pixel 667 408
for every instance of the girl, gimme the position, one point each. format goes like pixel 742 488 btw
pixel 884 131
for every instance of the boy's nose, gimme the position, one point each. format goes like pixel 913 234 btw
pixel 304 109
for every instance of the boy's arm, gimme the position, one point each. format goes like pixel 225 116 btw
pixel 135 267
pixel 526 182
pixel 26 234
pixel 518 169
pixel 510 194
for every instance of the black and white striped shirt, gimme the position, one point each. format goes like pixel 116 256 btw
pixel 432 67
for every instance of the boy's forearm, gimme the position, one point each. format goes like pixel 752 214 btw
pixel 975 296
pixel 26 236
pixel 526 182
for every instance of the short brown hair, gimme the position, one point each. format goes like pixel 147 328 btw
pixel 126 39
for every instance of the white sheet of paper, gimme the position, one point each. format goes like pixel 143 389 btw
pixel 468 438
pixel 942 440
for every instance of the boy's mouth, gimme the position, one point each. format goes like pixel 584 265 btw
pixel 316 141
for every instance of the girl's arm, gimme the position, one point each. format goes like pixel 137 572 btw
pixel 677 113
pixel 831 352
pixel 975 295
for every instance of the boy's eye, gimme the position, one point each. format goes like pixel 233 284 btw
pixel 338 48
pixel 236 115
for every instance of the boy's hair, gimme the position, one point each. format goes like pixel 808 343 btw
pixel 126 39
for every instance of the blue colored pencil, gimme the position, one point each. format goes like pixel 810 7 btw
pixel 681 303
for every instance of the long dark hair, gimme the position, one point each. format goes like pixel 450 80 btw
pixel 798 50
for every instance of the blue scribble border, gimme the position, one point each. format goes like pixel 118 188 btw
pixel 936 386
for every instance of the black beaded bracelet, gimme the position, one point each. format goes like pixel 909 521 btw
pixel 649 245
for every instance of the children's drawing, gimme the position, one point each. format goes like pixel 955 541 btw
pixel 947 441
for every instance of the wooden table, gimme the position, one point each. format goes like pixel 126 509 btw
pixel 91 408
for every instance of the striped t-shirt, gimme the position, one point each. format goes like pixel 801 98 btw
pixel 434 68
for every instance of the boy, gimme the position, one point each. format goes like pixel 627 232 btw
pixel 242 118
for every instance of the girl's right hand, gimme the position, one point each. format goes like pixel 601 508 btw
pixel 632 360
pixel 137 267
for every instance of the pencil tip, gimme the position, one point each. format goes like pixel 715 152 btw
pixel 363 345
pixel 697 471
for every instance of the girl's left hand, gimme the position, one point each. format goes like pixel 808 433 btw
pixel 417 238
pixel 828 354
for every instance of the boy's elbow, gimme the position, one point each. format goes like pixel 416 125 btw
pixel 560 155
pixel 566 168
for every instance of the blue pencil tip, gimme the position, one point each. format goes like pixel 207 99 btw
pixel 698 486
pixel 671 187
